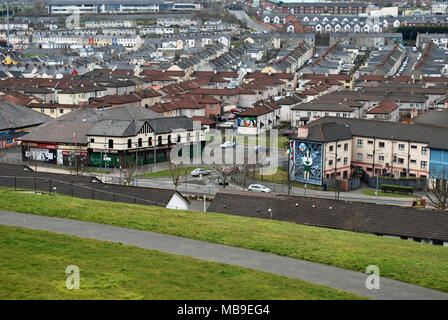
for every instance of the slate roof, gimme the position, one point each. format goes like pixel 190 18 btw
pixel 327 213
pixel 327 132
pixel 435 117
pixel 13 116
pixel 338 107
pixel 434 136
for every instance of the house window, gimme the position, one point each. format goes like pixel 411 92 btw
pixel 188 136
pixel 360 142
pixel 424 164
pixel 178 138
pixel 169 139
pixel 330 148
pixel 61 110
pixel 330 163
pixel 380 158
pixel 345 146
pixel 413 146
pixel 395 159
pixel 369 141
pixel 129 143
pixel 359 156
pixel 345 160
pixel 149 141
pixel 92 140
pixel 111 144
pixel 413 161
pixel 140 142
pixel 159 140
pixel 381 144
pixel 400 160
pixel 424 150
pixel 51 111
pixel 400 146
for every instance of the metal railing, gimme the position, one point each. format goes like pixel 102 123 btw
pixel 78 190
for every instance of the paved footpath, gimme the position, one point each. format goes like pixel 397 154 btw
pixel 338 278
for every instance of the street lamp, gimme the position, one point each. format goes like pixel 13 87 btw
pixel 270 211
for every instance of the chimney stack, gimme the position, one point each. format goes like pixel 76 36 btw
pixel 302 132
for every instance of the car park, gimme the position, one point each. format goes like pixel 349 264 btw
pixel 259 188
pixel 200 172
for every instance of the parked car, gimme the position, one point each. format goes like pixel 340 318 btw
pixel 220 181
pixel 227 124
pixel 261 149
pixel 259 188
pixel 231 117
pixel 229 169
pixel 200 172
pixel 228 144
pixel 287 132
pixel 237 110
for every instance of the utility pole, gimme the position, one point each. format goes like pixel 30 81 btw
pixel 7 19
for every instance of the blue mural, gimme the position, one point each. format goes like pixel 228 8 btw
pixel 306 162
pixel 438 163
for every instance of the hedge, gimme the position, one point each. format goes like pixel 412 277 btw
pixel 394 188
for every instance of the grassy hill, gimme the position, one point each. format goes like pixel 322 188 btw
pixel 407 261
pixel 33 265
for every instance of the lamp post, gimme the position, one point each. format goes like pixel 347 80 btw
pixel 376 192
pixel 270 211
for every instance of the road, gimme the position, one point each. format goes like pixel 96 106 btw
pixel 412 60
pixel 242 15
pixel 208 185
pixel 349 281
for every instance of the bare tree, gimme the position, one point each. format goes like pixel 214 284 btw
pixel 437 191
pixel 177 172
pixel 130 168
pixel 246 171
pixel 338 185
pixel 223 172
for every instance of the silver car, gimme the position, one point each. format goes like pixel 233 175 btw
pixel 200 172
pixel 259 188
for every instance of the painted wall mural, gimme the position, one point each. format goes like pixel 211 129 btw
pixel 306 162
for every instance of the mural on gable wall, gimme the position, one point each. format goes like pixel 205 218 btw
pixel 306 162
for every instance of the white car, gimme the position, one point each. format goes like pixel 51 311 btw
pixel 200 172
pixel 259 188
pixel 228 144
